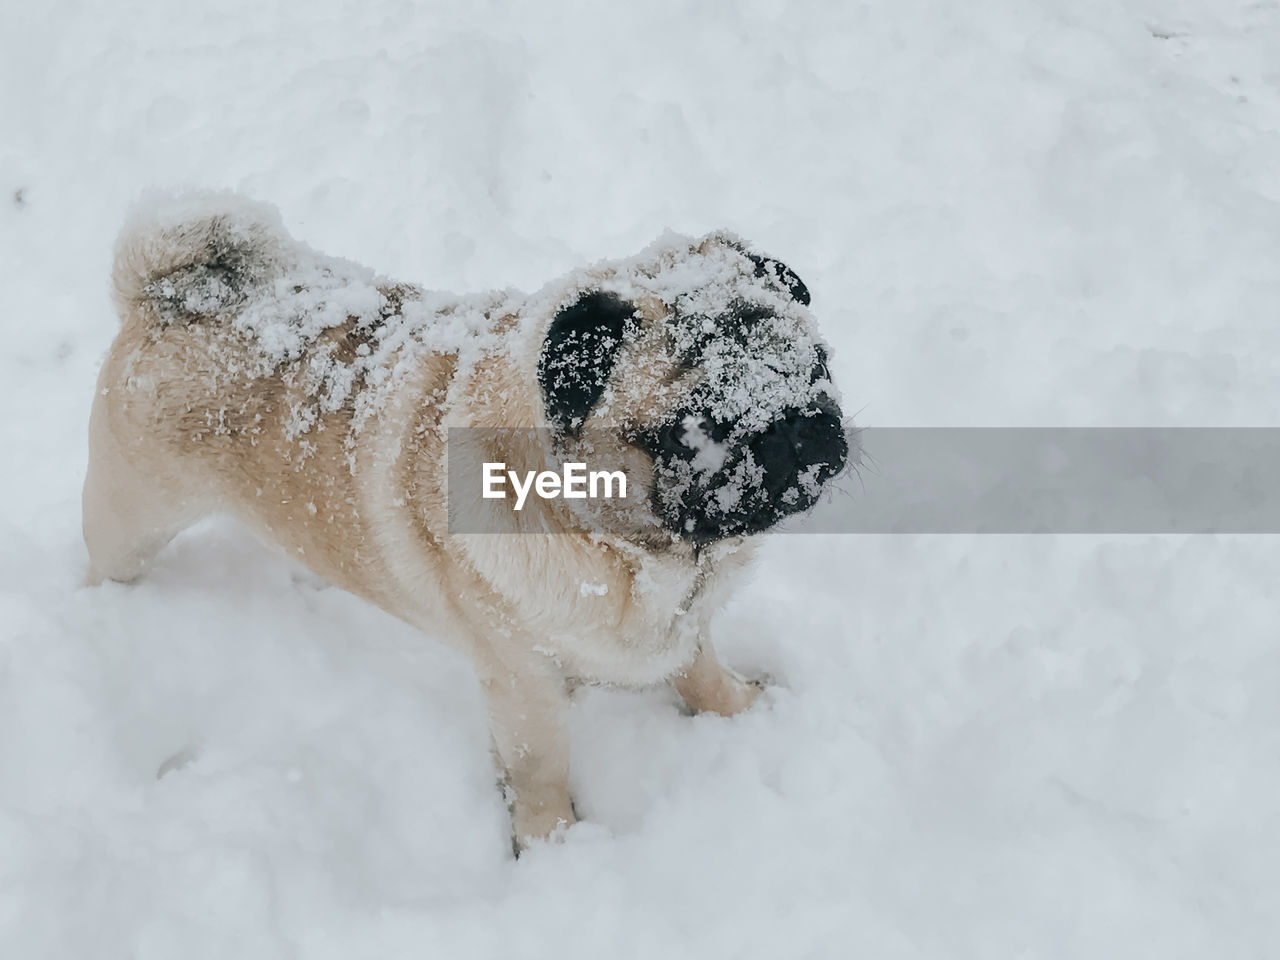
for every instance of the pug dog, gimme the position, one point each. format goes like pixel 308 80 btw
pixel 342 416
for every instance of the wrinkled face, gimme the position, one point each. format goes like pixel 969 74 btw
pixel 704 357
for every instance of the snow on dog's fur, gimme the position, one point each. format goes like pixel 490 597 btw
pixel 315 401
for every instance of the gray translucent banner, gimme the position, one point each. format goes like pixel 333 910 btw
pixel 992 480
pixel 1057 480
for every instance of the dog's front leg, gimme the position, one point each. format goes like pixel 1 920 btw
pixel 528 715
pixel 709 686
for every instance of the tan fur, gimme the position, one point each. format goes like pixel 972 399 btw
pixel 178 431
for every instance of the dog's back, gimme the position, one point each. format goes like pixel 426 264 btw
pixel 231 386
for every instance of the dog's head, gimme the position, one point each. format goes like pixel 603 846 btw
pixel 701 356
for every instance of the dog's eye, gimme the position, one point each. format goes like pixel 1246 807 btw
pixel 578 355
pixel 744 317
pixel 684 366
pixel 739 324
pixel 682 437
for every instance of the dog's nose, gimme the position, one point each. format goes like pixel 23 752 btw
pixel 798 442
pixel 764 478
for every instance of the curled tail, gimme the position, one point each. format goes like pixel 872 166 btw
pixel 199 255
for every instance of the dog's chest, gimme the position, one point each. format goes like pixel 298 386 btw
pixel 629 623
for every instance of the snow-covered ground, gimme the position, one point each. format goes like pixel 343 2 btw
pixel 1056 212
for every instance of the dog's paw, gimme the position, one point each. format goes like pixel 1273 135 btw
pixel 709 687
pixel 728 696
pixel 538 822
pixel 529 831
pixel 736 694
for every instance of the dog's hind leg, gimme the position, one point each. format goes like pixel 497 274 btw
pixel 128 514
pixel 710 687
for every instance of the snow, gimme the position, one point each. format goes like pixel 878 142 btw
pixel 1007 213
pixel 709 455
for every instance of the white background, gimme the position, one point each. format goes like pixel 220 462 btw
pixel 1008 212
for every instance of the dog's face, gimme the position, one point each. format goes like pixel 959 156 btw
pixel 701 358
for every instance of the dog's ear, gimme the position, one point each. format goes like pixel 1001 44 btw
pixel 782 275
pixel 578 355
